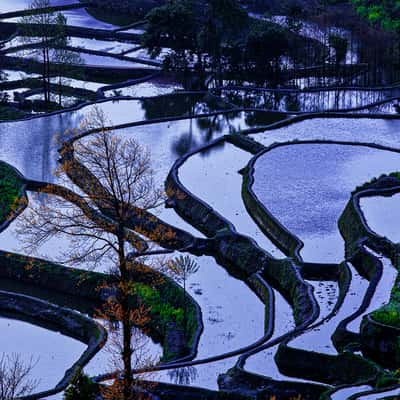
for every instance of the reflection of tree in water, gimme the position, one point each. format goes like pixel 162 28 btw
pixel 255 99
pixel 183 376
pixel 207 130
pixel 292 102
pixel 241 98
pixel 41 142
pixel 173 105
pixel 184 144
pixel 257 118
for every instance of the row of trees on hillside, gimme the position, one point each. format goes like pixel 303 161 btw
pixel 46 38
pixel 216 36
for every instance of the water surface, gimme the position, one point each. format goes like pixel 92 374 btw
pixel 307 186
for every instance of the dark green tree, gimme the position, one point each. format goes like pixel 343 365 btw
pixel 264 48
pixel 174 26
pixel 385 13
pixel 195 31
pixel 223 26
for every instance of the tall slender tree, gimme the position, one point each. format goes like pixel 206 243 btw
pixel 63 58
pixel 97 225
pixel 41 29
pixel 45 33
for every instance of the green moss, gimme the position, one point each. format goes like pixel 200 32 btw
pixel 10 190
pixel 164 311
pixel 165 303
pixel 388 314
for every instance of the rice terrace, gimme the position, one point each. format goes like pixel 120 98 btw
pixel 199 199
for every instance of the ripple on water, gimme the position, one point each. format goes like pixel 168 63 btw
pixel 379 131
pixel 217 181
pixel 307 186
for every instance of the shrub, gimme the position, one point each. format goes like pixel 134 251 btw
pixel 81 388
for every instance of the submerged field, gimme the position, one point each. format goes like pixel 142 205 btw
pixel 297 292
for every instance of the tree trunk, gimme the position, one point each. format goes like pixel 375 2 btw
pixel 184 306
pixel 48 73
pixel 126 322
pixel 59 90
pixel 44 75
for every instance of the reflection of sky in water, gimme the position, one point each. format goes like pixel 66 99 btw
pixel 216 180
pixel 307 186
pixel 53 352
pixel 391 393
pixel 345 393
pixel 383 215
pixel 76 17
pixel 379 131
pixel 313 101
pixel 31 146
pixel 381 295
pixel 319 338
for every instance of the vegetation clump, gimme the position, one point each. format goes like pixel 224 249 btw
pixel 389 314
pixel 81 388
pixel 10 190
pixel 380 12
pixel 218 38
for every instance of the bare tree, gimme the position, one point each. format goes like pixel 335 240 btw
pixel 123 177
pixel 181 268
pixel 141 357
pixel 15 377
pixel 41 29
